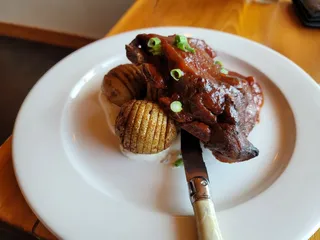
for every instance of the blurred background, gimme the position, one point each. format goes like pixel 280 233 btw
pixel 91 19
pixel 36 34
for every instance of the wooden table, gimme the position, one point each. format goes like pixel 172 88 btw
pixel 274 25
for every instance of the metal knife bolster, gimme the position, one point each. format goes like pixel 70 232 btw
pixel 199 189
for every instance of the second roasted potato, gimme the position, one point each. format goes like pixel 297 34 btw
pixel 144 128
pixel 124 83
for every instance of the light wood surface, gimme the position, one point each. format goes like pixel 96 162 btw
pixel 44 35
pixel 13 207
pixel 274 25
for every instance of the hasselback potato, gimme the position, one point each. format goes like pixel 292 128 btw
pixel 144 128
pixel 124 83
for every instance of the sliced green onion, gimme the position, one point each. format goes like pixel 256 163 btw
pixel 181 39
pixel 185 47
pixel 218 62
pixel 181 46
pixel 176 106
pixel 178 162
pixel 155 51
pixel 182 43
pixel 155 46
pixel 224 71
pixel 153 42
pixel 176 74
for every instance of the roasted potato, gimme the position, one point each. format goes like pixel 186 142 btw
pixel 144 128
pixel 124 83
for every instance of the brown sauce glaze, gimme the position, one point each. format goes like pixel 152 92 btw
pixel 219 109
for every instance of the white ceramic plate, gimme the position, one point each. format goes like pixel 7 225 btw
pixel 71 171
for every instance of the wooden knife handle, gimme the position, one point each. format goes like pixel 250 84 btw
pixel 207 224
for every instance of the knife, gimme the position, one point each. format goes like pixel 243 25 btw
pixel 198 182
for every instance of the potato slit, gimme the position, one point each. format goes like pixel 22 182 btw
pixel 122 119
pixel 162 133
pixel 143 127
pixel 138 72
pixel 155 140
pixel 117 91
pixel 130 81
pixel 119 76
pixel 129 125
pixel 133 77
pixel 167 133
pixel 151 129
pixel 136 128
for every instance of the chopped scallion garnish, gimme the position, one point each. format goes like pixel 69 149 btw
pixel 176 106
pixel 176 74
pixel 182 43
pixel 156 51
pixel 178 162
pixel 155 46
pixel 224 71
pixel 153 42
pixel 181 39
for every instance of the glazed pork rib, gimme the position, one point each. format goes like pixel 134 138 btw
pixel 218 108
